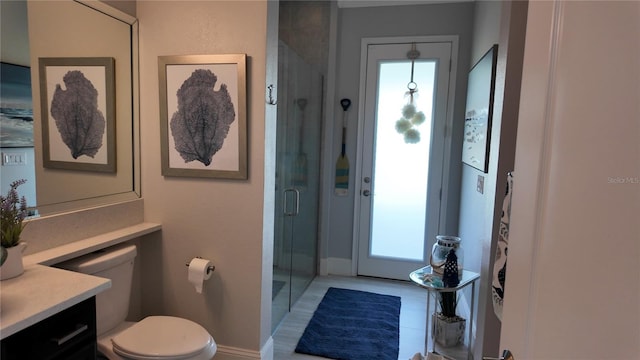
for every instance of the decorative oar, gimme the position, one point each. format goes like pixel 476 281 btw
pixel 342 165
pixel 300 165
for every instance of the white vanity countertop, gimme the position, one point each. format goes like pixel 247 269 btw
pixel 40 292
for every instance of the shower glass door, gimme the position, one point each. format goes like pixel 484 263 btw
pixel 297 180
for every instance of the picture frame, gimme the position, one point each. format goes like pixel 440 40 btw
pixel 77 97
pixel 16 107
pixel 203 125
pixel 479 111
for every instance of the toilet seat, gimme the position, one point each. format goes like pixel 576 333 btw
pixel 163 337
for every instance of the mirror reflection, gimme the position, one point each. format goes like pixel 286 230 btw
pixel 71 30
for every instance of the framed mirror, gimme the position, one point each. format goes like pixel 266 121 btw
pixel 80 29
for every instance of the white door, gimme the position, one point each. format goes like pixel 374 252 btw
pixel 573 279
pixel 404 102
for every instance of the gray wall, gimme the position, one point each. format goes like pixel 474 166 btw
pixel 355 24
pixel 501 23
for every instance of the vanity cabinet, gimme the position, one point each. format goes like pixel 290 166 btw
pixel 69 335
pixel 49 313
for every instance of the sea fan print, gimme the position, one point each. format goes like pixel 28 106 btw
pixel 75 111
pixel 201 123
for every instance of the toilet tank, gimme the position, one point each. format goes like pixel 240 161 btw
pixel 114 263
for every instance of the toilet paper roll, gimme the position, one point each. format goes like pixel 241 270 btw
pixel 199 272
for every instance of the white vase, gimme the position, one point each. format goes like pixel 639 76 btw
pixel 12 266
pixel 443 245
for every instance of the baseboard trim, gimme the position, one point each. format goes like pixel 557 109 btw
pixel 266 353
pixel 234 353
pixel 323 270
pixel 339 266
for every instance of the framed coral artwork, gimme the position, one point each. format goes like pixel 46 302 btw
pixel 78 113
pixel 203 115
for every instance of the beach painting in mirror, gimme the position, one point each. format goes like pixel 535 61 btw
pixel 78 106
pixel 16 110
pixel 202 112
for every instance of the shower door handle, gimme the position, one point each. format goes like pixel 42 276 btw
pixel 296 202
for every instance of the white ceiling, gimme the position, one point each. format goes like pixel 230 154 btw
pixel 370 3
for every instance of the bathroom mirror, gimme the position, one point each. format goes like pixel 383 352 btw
pixel 78 29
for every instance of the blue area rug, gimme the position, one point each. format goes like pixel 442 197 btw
pixel 353 325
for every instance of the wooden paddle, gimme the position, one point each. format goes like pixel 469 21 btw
pixel 342 165
pixel 300 171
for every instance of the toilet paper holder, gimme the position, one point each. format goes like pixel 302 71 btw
pixel 210 269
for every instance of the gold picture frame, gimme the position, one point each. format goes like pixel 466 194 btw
pixel 203 125
pixel 77 100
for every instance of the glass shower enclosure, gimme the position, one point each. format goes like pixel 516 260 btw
pixel 300 99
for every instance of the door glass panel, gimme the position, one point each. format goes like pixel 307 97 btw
pixel 401 169
pixel 401 180
pixel 299 120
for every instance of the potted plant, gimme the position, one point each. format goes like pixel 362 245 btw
pixel 449 328
pixel 13 211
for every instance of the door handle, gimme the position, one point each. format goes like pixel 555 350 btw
pixel 296 202
pixel 506 355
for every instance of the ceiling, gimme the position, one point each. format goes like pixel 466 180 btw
pixel 370 3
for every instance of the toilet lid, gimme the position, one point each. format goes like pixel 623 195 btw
pixel 156 337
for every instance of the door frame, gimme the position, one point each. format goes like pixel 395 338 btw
pixel 446 161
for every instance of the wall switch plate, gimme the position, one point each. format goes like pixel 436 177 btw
pixel 14 158
pixel 480 184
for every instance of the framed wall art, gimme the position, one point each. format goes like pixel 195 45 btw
pixel 78 113
pixel 479 111
pixel 203 115
pixel 16 110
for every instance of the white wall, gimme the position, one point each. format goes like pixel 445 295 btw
pixel 354 24
pixel 221 220
pixel 27 171
pixel 574 249
pixel 476 209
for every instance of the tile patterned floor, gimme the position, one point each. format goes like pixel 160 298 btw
pixel 412 313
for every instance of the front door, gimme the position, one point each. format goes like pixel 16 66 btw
pixel 406 97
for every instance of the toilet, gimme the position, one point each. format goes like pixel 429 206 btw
pixel 152 338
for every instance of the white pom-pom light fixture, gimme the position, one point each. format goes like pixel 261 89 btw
pixel 411 117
